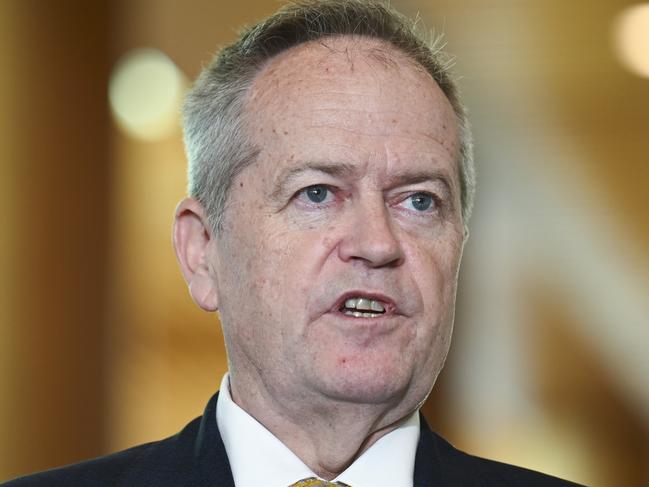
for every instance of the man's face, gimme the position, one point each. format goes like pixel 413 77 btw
pixel 337 264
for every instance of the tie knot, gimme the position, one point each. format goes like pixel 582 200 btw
pixel 315 482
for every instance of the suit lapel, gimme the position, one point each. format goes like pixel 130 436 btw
pixel 210 465
pixel 428 470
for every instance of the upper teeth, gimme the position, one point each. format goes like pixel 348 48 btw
pixel 364 304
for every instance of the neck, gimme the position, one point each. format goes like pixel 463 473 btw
pixel 327 435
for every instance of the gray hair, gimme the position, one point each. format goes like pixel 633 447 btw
pixel 213 114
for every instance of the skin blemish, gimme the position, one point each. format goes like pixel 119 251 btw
pixel 241 185
pixel 328 242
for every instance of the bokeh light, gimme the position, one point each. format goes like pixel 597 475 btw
pixel 145 93
pixel 632 38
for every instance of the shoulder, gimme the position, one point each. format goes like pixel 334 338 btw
pixel 493 473
pixel 102 471
pixel 160 460
pixel 455 467
pixel 167 462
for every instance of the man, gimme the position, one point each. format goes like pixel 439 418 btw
pixel 330 182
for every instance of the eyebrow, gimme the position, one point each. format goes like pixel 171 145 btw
pixel 421 176
pixel 335 169
pixel 341 169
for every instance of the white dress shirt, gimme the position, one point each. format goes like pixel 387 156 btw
pixel 257 457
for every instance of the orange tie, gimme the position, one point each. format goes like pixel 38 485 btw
pixel 315 482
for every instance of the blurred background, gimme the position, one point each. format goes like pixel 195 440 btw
pixel 101 347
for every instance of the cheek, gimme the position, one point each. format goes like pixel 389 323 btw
pixel 430 270
pixel 271 268
pixel 437 285
pixel 434 266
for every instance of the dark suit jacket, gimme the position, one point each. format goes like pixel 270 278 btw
pixel 196 457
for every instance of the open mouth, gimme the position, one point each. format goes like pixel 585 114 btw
pixel 359 307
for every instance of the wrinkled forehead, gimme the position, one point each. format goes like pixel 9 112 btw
pixel 355 100
pixel 342 53
pixel 349 67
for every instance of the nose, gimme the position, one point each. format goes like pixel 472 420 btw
pixel 370 238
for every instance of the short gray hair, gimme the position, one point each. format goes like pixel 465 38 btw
pixel 213 114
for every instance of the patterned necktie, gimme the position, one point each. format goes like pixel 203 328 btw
pixel 315 482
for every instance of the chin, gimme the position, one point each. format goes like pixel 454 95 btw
pixel 367 385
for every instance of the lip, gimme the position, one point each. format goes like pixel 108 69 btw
pixel 388 303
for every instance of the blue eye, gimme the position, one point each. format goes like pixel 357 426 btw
pixel 422 201
pixel 316 194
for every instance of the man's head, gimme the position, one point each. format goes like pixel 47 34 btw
pixel 333 259
pixel 217 142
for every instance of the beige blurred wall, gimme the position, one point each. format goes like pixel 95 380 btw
pixel 6 240
pixel 55 184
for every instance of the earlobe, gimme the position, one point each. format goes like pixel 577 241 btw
pixel 192 238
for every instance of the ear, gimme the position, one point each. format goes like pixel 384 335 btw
pixel 193 243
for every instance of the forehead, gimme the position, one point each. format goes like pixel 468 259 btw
pixel 358 94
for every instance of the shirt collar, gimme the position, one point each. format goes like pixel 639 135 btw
pixel 257 457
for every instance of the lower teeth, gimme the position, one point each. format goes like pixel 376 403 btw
pixel 358 314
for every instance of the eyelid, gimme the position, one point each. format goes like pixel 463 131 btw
pixel 405 194
pixel 329 187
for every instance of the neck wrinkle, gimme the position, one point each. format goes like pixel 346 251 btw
pixel 327 439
